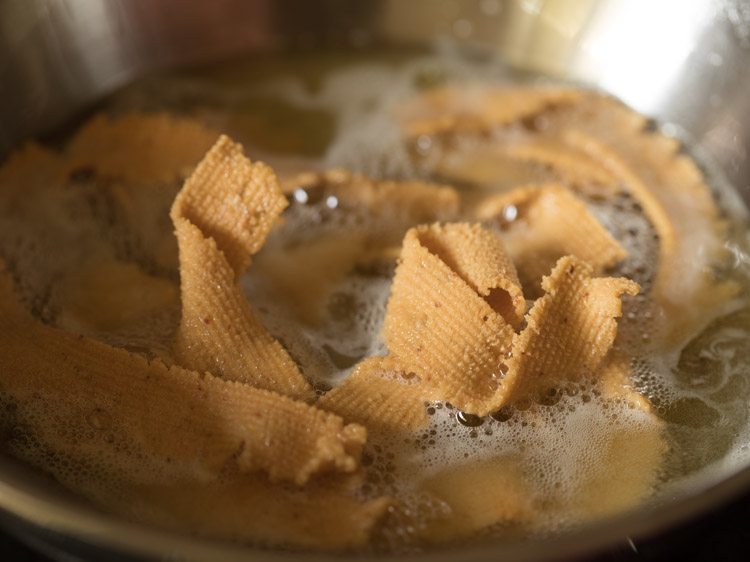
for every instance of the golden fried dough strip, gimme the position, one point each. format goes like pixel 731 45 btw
pixel 414 201
pixel 452 109
pixel 550 223
pixel 378 396
pixel 232 200
pixel 140 147
pixel 320 516
pixel 110 296
pixel 569 330
pixel 678 203
pixel 571 166
pixel 82 398
pixel 498 165
pixel 221 217
pixel 488 166
pixel 219 333
pixel 478 256
pixel 477 495
pixel 438 327
pixel 600 133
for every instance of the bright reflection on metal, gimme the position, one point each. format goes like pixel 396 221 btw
pixel 638 48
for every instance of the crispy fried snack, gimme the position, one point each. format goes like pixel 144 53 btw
pixel 549 222
pixel 460 345
pixel 380 396
pixel 222 216
pixel 114 406
pixel 139 148
pixel 568 331
pixel 449 109
pixel 437 325
pixel 594 144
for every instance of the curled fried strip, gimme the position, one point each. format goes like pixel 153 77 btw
pixel 139 147
pixel 232 200
pixel 438 327
pixel 479 257
pixel 549 222
pixel 462 349
pixel 219 333
pixel 570 165
pixel 499 165
pixel 112 405
pixel 678 203
pixel 465 109
pixel 594 143
pixel 569 330
pixel 378 396
pixel 222 216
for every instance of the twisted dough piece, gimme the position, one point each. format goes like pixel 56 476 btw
pixel 222 216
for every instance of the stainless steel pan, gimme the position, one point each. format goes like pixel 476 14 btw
pixel 684 62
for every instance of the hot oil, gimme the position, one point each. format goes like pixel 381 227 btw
pixel 556 460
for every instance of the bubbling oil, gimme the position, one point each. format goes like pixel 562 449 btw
pixel 565 448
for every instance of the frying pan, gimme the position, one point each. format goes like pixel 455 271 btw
pixel 684 63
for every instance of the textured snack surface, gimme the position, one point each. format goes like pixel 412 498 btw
pixel 438 327
pixel 139 147
pixel 232 200
pixel 569 330
pixel 480 388
pixel 448 109
pixel 377 395
pixel 549 223
pixel 221 217
pixel 149 410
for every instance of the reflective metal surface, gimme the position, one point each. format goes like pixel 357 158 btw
pixel 686 63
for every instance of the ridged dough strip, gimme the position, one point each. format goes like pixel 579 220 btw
pixel 449 109
pixel 222 216
pixel 232 200
pixel 569 330
pixel 679 204
pixel 480 258
pixel 76 396
pixel 436 324
pixel 438 327
pixel 571 166
pixel 380 396
pixel 549 223
pixel 139 148
pixel 593 141
pixel 498 164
